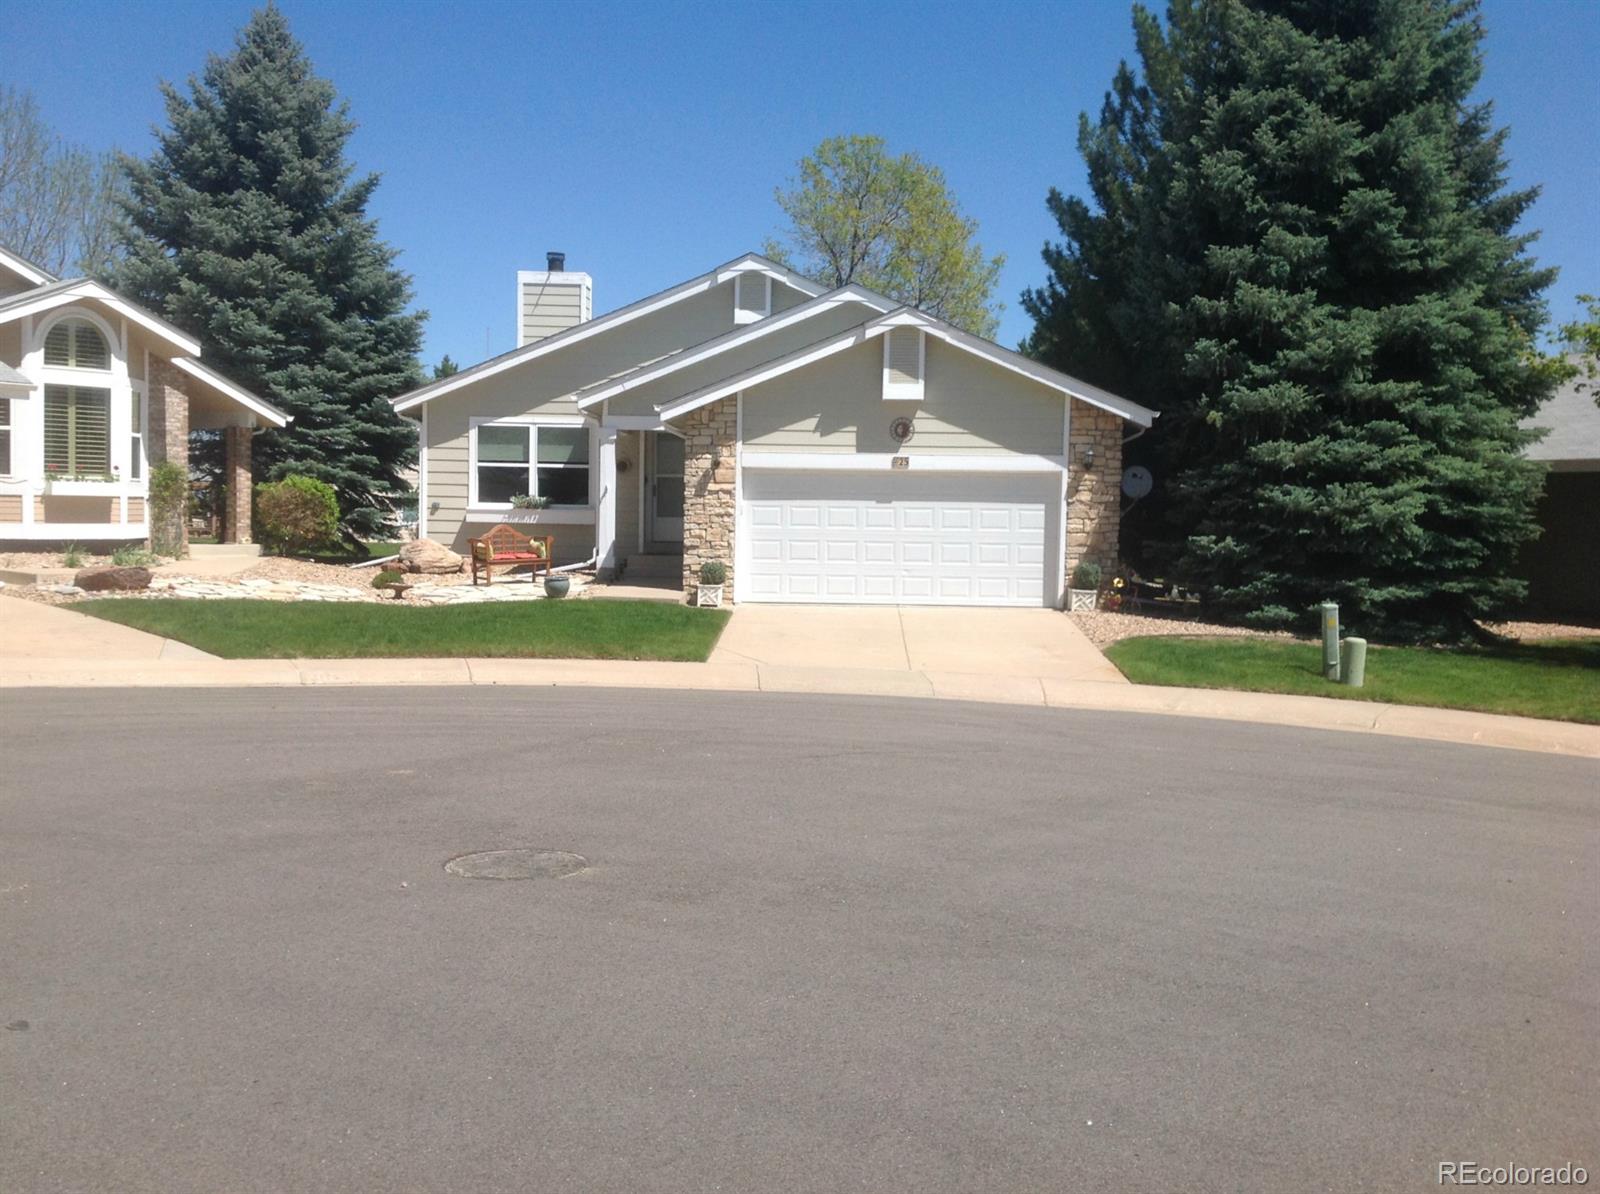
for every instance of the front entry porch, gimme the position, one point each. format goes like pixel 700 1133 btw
pixel 649 512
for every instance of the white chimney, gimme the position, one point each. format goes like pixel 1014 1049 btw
pixel 551 300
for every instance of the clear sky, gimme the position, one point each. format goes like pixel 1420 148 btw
pixel 645 138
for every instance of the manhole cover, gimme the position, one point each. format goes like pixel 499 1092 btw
pixel 516 864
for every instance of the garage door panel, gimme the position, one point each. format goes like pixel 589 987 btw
pixel 953 538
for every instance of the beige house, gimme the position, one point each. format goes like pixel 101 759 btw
pixel 825 445
pixel 94 391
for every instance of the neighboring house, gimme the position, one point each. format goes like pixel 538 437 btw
pixel 826 445
pixel 94 391
pixel 1562 566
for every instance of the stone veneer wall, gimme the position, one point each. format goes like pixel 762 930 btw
pixel 708 489
pixel 1094 496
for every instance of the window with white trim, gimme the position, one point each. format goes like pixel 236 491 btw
pixel 5 437
pixel 76 344
pixel 77 431
pixel 136 436
pixel 515 459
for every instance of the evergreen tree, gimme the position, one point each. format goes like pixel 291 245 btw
pixel 445 368
pixel 246 228
pixel 1302 250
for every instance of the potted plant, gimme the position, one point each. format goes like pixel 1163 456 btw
pixel 713 575
pixel 1084 586
pixel 523 501
pixel 557 584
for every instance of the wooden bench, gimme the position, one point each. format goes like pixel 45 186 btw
pixel 508 547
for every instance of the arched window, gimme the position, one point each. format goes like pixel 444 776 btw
pixel 76 344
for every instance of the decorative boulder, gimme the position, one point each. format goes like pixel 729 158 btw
pixel 108 578
pixel 424 555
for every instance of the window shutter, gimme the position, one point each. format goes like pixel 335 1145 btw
pixel 58 345
pixel 77 430
pixel 76 343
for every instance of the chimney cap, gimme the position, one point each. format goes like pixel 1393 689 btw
pixel 555 261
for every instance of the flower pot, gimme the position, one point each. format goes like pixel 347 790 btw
pixel 557 586
pixel 1081 599
pixel 708 596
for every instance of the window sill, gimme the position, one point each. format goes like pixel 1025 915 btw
pixel 550 514
pixel 84 488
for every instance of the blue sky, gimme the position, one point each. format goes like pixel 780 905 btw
pixel 645 138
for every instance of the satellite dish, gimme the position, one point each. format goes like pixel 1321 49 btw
pixel 1137 481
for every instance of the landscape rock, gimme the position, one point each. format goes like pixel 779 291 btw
pixel 424 555
pixel 109 577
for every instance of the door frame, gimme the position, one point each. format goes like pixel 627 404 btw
pixel 648 523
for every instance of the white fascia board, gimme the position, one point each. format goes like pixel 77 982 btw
pixel 228 389
pixel 943 462
pixel 631 422
pixel 97 293
pixel 908 317
pixel 25 269
pixel 734 339
pixel 755 263
pixel 15 389
pixel 583 331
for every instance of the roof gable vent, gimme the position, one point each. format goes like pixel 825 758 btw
pixel 904 364
pixel 752 297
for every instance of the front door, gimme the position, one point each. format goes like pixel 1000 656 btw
pixel 666 488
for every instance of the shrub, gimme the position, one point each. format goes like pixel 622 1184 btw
pixel 296 515
pixel 386 578
pixel 169 502
pixel 713 572
pixel 72 556
pixel 133 557
pixel 1086 576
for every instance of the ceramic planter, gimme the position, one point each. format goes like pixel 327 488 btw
pixel 557 586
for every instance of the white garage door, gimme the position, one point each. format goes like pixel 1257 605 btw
pixel 899 538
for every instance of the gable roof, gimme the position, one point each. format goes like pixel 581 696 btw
pixel 911 317
pixel 71 290
pixel 749 263
pixel 238 393
pixel 597 392
pixel 28 271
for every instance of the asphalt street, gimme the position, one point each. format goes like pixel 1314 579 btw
pixel 821 944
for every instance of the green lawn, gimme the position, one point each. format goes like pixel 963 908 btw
pixel 1556 679
pixel 518 629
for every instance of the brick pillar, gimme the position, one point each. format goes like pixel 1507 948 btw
pixel 167 412
pixel 1094 495
pixel 708 471
pixel 236 480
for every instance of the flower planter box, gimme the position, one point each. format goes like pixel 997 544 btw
pixel 708 596
pixel 69 488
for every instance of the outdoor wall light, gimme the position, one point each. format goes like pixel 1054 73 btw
pixel 1088 457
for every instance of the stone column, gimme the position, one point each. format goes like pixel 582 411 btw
pixel 167 441
pixel 1094 492
pixel 236 475
pixel 708 489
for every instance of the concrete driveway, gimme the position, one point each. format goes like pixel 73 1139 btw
pixel 981 642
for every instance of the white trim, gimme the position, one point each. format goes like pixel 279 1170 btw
pixel 25 268
pixel 906 317
pixel 93 531
pixel 564 422
pixel 593 327
pixel 927 462
pixel 98 293
pixel 571 515
pixel 1066 479
pixel 905 391
pixel 731 340
pixel 229 390
pixel 644 446
pixel 744 312
pixel 422 477
pixel 739 536
pixel 605 523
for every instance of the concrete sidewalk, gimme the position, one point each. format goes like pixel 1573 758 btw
pixel 35 631
pixel 1441 725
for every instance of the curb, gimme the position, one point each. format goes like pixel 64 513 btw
pixel 1305 712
